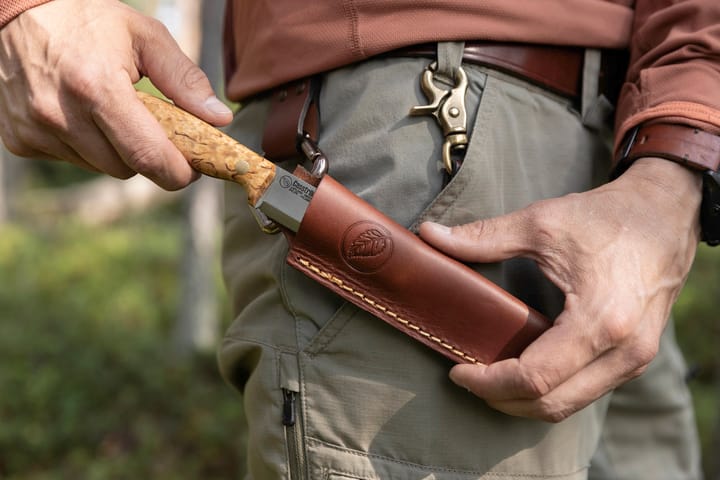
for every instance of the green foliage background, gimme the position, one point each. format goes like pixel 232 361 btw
pixel 90 386
pixel 697 313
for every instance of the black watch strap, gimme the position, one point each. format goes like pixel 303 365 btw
pixel 710 208
pixel 694 148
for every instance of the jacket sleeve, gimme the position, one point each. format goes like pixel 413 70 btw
pixel 674 72
pixel 9 9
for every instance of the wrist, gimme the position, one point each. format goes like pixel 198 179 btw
pixel 672 193
pixel 681 184
pixel 691 149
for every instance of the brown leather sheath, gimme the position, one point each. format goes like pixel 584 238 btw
pixel 350 247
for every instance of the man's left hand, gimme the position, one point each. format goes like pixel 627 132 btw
pixel 620 253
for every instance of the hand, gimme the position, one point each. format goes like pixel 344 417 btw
pixel 620 254
pixel 67 70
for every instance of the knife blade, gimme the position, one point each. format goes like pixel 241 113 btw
pixel 277 193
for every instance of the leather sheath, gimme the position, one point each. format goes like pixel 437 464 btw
pixel 364 256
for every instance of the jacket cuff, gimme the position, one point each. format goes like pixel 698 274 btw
pixel 9 9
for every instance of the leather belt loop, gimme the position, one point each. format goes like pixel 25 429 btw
pixel 293 112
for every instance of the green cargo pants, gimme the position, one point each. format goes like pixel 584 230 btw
pixel 332 393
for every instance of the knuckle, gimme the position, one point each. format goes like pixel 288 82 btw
pixel 122 173
pixel 149 29
pixel 26 140
pixel 85 81
pixel 642 353
pixel 554 413
pixel 638 371
pixel 16 147
pixel 143 159
pixel 535 384
pixel 156 27
pixel 472 231
pixel 193 77
pixel 617 330
pixel 147 159
pixel 46 112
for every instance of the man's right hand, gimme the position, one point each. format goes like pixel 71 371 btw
pixel 67 70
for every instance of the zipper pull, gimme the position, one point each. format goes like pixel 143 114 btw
pixel 288 414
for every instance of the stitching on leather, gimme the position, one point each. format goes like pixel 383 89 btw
pixel 341 284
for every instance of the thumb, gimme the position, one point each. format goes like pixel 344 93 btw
pixel 175 75
pixel 489 240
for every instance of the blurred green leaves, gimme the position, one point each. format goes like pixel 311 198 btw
pixel 698 311
pixel 697 314
pixel 89 387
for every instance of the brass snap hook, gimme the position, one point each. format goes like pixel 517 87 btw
pixel 432 92
pixel 448 108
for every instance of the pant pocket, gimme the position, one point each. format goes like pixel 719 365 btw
pixel 526 145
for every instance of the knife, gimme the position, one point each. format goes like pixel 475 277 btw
pixel 272 191
pixel 481 324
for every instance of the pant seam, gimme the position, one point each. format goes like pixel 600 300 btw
pixel 435 469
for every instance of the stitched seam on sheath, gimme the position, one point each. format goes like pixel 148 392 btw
pixel 340 283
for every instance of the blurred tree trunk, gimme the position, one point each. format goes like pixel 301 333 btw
pixel 197 327
pixel 11 175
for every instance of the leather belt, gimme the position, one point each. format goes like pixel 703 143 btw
pixel 556 68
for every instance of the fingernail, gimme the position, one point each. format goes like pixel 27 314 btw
pixel 214 105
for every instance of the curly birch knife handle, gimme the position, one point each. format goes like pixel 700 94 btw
pixel 210 151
